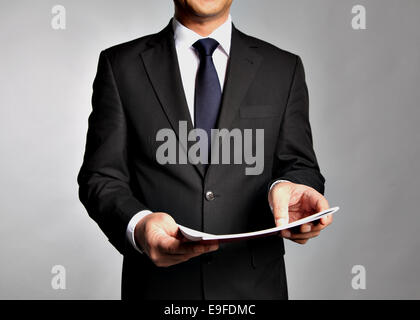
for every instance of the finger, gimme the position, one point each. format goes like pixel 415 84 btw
pixel 300 241
pixel 318 227
pixel 198 249
pixel 326 220
pixel 318 201
pixel 303 236
pixel 167 259
pixel 322 223
pixel 170 260
pixel 322 203
pixel 306 227
pixel 286 233
pixel 209 242
pixel 315 201
pixel 307 235
pixel 280 205
pixel 173 246
pixel 188 249
pixel 167 225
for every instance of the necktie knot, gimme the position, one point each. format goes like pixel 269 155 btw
pixel 206 47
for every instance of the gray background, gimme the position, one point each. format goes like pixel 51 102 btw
pixel 364 88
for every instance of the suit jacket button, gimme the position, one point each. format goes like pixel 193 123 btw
pixel 210 195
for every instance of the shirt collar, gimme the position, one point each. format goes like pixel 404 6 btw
pixel 186 37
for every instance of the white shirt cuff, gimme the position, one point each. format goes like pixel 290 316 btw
pixel 276 182
pixel 132 226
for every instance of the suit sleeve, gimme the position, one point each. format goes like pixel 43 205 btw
pixel 104 178
pixel 295 158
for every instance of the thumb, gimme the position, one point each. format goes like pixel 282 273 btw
pixel 280 204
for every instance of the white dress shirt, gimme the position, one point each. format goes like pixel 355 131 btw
pixel 189 60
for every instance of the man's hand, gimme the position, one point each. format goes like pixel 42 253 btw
pixel 291 202
pixel 158 236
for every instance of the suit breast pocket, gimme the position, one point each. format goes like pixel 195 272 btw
pixel 260 111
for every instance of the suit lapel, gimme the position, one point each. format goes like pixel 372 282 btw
pixel 161 64
pixel 243 65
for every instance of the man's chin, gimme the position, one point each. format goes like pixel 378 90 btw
pixel 207 14
pixel 207 11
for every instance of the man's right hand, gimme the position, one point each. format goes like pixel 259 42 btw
pixel 157 235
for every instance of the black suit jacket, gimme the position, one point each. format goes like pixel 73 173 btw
pixel 138 91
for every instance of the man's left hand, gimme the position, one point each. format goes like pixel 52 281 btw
pixel 291 202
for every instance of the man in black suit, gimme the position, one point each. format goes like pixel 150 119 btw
pixel 202 71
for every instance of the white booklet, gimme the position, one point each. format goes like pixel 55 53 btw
pixel 195 235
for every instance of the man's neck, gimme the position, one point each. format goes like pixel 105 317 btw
pixel 200 25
